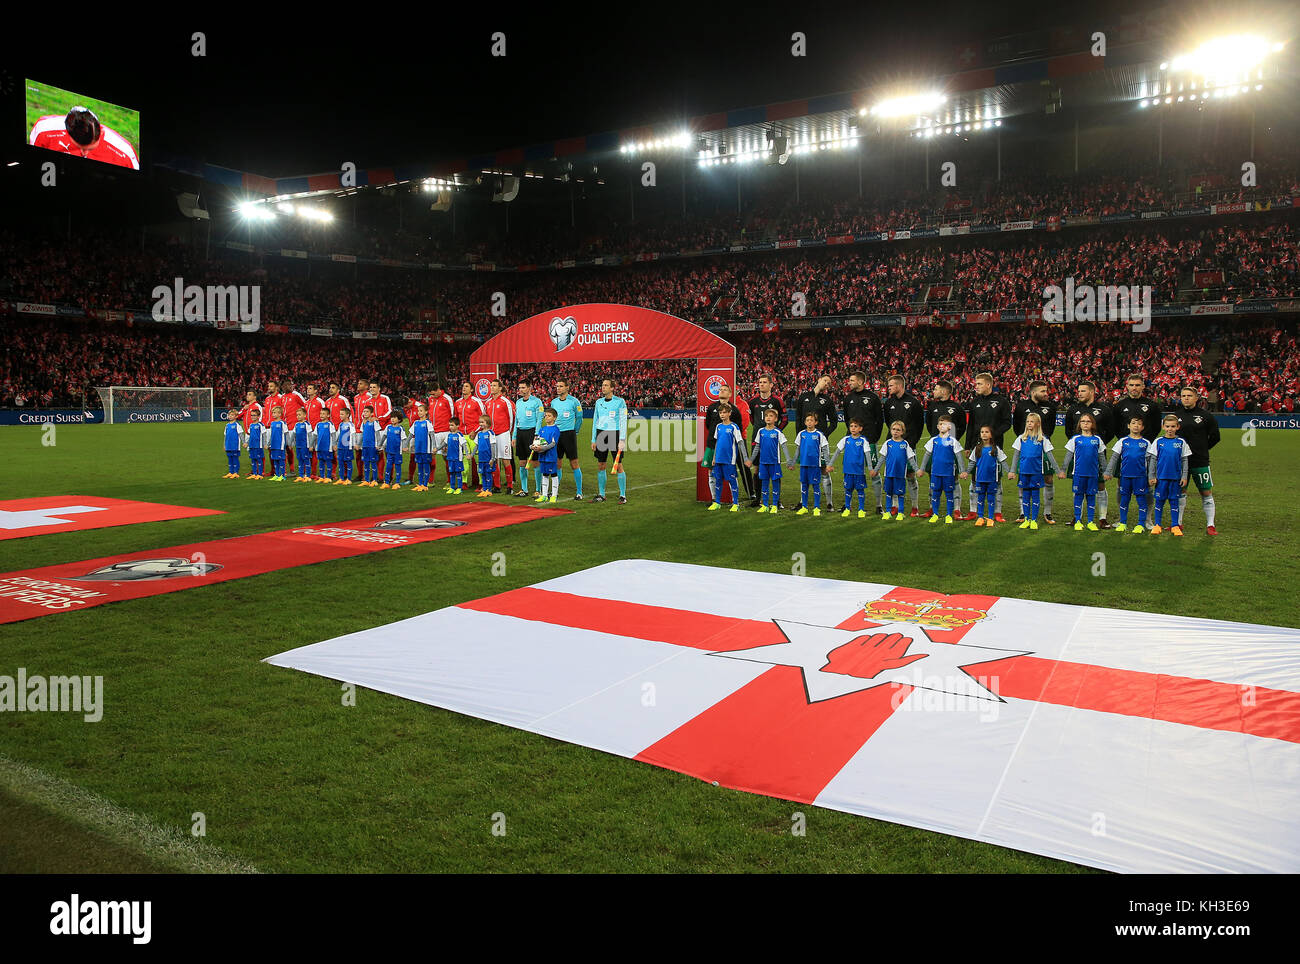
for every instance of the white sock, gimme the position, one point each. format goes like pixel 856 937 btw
pixel 1207 502
pixel 1182 509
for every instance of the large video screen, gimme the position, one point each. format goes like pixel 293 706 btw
pixel 60 120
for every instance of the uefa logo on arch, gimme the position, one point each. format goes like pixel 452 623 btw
pixel 714 385
pixel 482 387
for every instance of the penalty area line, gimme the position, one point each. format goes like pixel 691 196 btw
pixel 168 845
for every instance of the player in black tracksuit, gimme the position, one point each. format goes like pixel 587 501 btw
pixel 818 401
pixel 942 406
pixel 1134 404
pixel 760 404
pixel 1104 427
pixel 1200 430
pixel 1045 408
pixel 900 405
pixel 993 409
pixel 863 404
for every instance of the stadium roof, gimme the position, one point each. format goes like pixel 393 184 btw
pixel 972 96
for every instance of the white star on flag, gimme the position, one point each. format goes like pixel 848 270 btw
pixel 889 653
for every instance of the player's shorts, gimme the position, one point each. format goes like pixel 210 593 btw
pixel 524 440
pixel 455 466
pixel 423 458
pixel 942 483
pixel 895 485
pixel 854 482
pixel 501 446
pixel 567 446
pixel 440 441
pixel 1169 489
pixel 768 471
pixel 1085 484
pixel 1202 478
pixel 607 447
pixel 810 474
pixel 1034 481
pixel 1133 485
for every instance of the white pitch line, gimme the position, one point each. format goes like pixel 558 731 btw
pixel 168 844
pixel 651 485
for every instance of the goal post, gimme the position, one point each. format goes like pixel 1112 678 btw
pixel 149 403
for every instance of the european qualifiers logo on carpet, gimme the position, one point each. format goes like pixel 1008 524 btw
pixel 1130 741
pixel 145 570
pixel 414 524
pixel 79 585
pixel 71 513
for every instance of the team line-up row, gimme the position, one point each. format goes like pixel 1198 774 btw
pixel 1154 473
pixel 326 445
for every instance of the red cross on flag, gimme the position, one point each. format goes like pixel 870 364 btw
pixel 1131 741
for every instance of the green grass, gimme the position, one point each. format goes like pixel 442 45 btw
pixel 291 780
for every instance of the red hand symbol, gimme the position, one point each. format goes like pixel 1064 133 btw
pixel 868 656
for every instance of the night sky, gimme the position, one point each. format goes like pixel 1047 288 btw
pixel 277 99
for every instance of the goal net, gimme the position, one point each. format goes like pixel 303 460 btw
pixel 130 403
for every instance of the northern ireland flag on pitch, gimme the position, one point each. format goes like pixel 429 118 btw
pixel 1128 741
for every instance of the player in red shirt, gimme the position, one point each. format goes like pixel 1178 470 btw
pixel 359 402
pixel 502 412
pixel 469 409
pixel 272 401
pixel 412 416
pixel 294 408
pixel 441 411
pixel 313 408
pixel 251 412
pixel 383 406
pixel 336 405
pixel 81 133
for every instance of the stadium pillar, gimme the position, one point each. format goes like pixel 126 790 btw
pixel 711 375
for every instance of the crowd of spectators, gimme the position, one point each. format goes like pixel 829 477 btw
pixel 1023 192
pixel 998 274
pixel 48 363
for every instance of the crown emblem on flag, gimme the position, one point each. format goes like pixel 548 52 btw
pixel 924 613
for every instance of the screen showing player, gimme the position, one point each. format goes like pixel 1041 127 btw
pixel 59 120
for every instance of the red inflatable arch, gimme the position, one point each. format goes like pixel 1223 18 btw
pixel 613 333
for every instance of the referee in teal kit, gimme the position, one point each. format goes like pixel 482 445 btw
pixel 609 435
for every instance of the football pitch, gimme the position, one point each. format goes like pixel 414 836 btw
pixel 289 779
